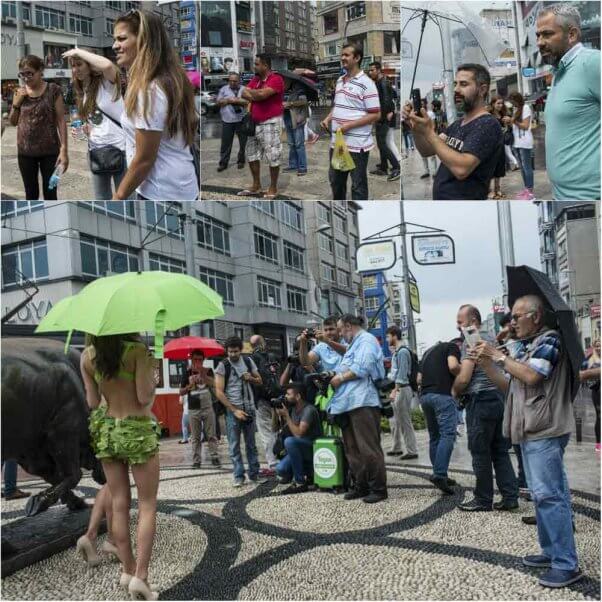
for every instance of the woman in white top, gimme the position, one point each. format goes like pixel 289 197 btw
pixel 97 90
pixel 160 121
pixel 523 143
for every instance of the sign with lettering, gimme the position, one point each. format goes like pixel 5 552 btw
pixel 432 250
pixel 32 313
pixel 375 256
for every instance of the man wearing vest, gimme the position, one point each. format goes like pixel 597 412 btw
pixel 539 416
pixel 484 412
pixel 234 378
pixel 401 396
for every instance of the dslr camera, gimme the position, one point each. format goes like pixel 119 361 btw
pixel 278 402
pixel 384 386
pixel 310 333
pixel 321 380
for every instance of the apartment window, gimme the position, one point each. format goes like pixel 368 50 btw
pixel 81 25
pixel 293 257
pixel 331 49
pixel 342 251
pixel 356 10
pixel 14 208
pixel 340 224
pixel 292 215
pixel 222 284
pixel 324 214
pixel 266 245
pixel 100 256
pixel 327 272
pixel 165 216
pixel 109 26
pixel 9 9
pixel 325 242
pixel 369 281
pixel 26 260
pixel 371 303
pixel 343 278
pixel 268 293
pixel 277 42
pixel 392 42
pixel 114 5
pixel 354 219
pixel 268 207
pixel 296 299
pixel 331 22
pixel 124 210
pixel 186 11
pixel 166 264
pixel 48 18
pixel 354 244
pixel 212 234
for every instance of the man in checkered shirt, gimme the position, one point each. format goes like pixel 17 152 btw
pixel 356 107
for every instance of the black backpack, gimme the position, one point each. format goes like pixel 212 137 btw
pixel 228 369
pixel 414 368
pixel 270 386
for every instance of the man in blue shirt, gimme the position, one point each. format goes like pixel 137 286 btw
pixel 357 404
pixel 232 111
pixel 572 112
pixel 329 351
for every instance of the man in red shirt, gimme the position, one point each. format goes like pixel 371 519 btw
pixel 266 95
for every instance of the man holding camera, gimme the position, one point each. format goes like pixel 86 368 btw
pixel 401 398
pixel 303 424
pixel 484 414
pixel 357 409
pixel 195 384
pixel 232 110
pixel 329 351
pixel 234 378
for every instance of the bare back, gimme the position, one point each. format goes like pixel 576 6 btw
pixel 131 392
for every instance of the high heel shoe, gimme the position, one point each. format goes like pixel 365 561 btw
pixel 110 548
pixel 140 591
pixel 125 580
pixel 86 550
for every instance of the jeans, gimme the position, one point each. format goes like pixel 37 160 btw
pixel 460 412
pixel 29 167
pixel 359 178
pixel 489 448
pixel 297 158
pixel 101 184
pixel 549 487
pixel 441 418
pixel 408 138
pixel 228 131
pixel 298 461
pixel 235 427
pixel 386 155
pixel 185 426
pixel 526 166
pixel 10 476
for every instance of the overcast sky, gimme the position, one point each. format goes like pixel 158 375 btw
pixel 430 64
pixel 476 276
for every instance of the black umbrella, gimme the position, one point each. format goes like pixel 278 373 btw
pixel 312 91
pixel 524 280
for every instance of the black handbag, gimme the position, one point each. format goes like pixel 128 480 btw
pixel 508 137
pixel 107 159
pixel 247 125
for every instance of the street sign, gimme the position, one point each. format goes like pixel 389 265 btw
pixel 374 256
pixel 414 297
pixel 433 250
pixel 528 71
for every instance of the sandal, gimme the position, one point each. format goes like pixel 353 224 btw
pixel 270 197
pixel 247 192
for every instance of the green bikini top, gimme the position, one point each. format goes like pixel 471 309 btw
pixel 127 345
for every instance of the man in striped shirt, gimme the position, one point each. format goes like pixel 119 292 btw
pixel 356 107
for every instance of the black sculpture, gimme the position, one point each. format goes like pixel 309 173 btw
pixel 45 419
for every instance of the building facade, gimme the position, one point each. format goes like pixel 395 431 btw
pixel 376 25
pixel 189 15
pixel 378 307
pixel 52 28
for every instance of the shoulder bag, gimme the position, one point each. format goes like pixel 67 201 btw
pixel 107 159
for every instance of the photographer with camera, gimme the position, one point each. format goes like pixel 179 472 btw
pixel 357 408
pixel 329 351
pixel 234 378
pixel 267 366
pixel 303 425
pixel 295 371
pixel 195 385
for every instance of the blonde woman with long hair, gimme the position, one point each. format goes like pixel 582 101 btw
pixel 97 86
pixel 160 120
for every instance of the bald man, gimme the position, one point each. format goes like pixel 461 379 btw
pixel 265 366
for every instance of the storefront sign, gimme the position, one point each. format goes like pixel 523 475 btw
pixel 247 44
pixel 375 256
pixel 218 60
pixel 594 311
pixel 433 250
pixel 32 313
pixel 414 297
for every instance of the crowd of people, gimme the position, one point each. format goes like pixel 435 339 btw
pixel 473 151
pixel 516 392
pixel 271 103
pixel 137 130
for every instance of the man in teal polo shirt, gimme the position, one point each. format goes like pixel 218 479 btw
pixel 572 112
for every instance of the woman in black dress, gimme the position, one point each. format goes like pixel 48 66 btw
pixel 498 110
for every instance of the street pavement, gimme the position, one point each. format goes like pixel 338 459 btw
pixel 416 188
pixel 216 542
pixel 313 186
pixel 75 184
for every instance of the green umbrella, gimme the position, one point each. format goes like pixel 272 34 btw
pixel 135 302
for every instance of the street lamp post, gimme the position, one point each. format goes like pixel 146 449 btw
pixel 406 279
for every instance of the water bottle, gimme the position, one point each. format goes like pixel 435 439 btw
pixel 77 125
pixel 55 177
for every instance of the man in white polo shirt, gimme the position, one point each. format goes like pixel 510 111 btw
pixel 356 107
